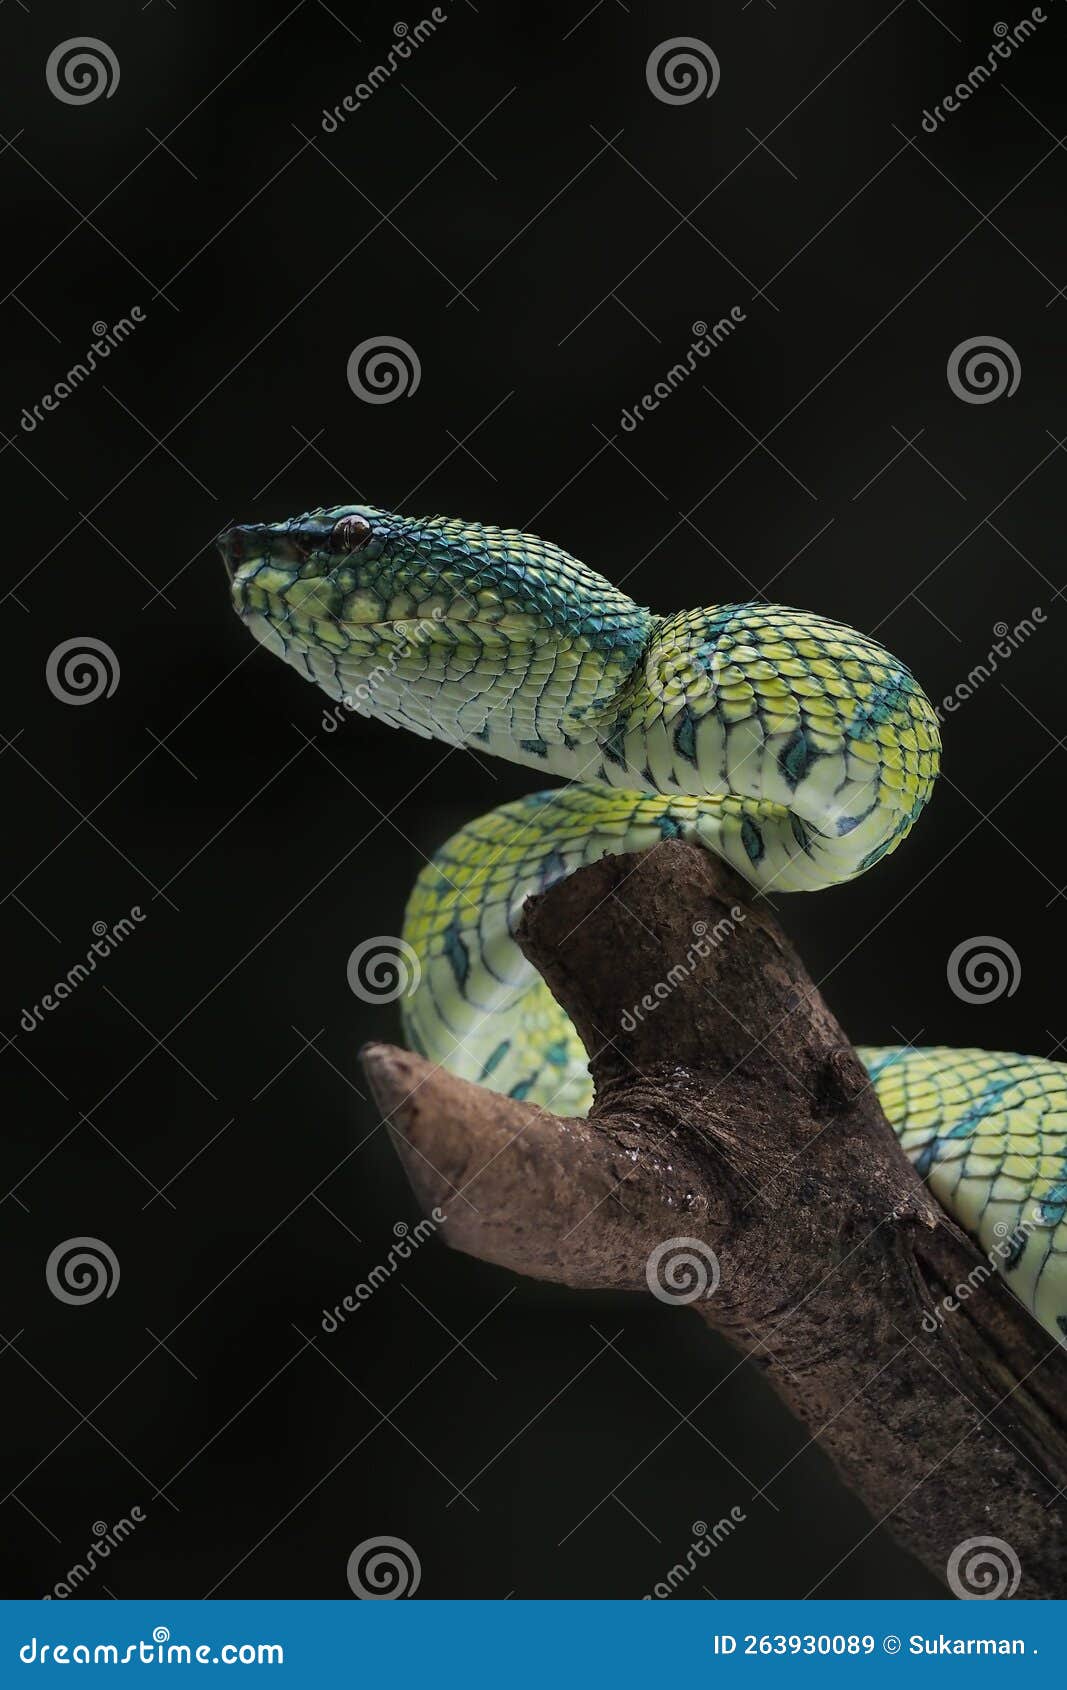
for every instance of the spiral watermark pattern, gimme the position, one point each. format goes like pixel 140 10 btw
pixel 983 369
pixel 383 968
pixel 82 70
pixel 682 1270
pixel 983 1569
pixel 381 1569
pixel 81 670
pixel 82 1270
pixel 984 968
pixel 682 70
pixel 384 368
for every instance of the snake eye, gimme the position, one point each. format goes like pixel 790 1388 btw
pixel 351 534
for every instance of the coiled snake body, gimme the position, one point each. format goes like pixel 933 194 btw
pixel 794 747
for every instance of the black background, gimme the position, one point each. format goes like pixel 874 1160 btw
pixel 518 207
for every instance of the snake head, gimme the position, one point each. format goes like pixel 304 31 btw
pixel 317 577
pixel 356 565
pixel 308 563
pixel 428 622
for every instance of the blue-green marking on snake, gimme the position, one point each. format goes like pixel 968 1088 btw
pixel 794 747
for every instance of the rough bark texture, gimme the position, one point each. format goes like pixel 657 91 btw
pixel 737 1113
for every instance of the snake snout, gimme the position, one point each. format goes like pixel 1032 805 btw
pixel 286 545
pixel 238 543
pixel 231 544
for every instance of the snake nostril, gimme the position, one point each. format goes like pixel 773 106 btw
pixel 232 548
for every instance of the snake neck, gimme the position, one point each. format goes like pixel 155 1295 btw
pixel 761 705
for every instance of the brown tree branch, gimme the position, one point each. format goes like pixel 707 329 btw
pixel 734 1112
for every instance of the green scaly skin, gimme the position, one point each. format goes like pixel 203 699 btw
pixel 794 747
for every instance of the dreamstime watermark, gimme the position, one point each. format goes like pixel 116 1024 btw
pixel 81 70
pixel 106 337
pixel 982 369
pixel 363 694
pixel 105 1539
pixel 1008 640
pixel 706 339
pixel 382 369
pixel 705 941
pixel 383 968
pixel 1012 1241
pixel 158 1650
pixel 82 1270
pixel 1008 40
pixel 107 940
pixel 983 1569
pixel 81 670
pixel 682 1270
pixel 706 1539
pixel 408 1240
pixel 407 41
pixel 983 969
pixel 682 70
pixel 382 1569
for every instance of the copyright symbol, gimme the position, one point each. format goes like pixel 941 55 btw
pixel 891 1644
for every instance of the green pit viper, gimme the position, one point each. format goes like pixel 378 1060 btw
pixel 797 749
